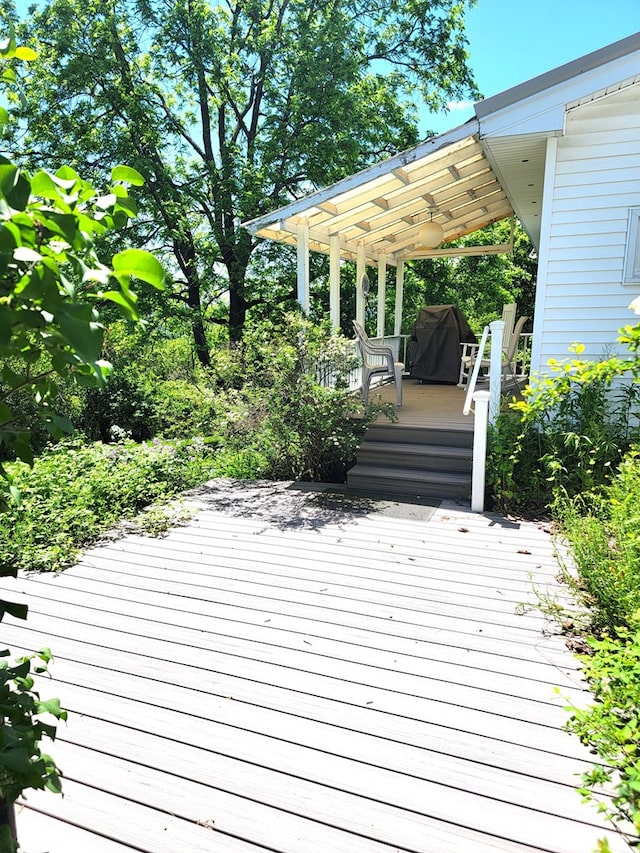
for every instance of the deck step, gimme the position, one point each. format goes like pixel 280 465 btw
pixel 397 433
pixel 437 457
pixel 409 481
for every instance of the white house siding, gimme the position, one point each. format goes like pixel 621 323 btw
pixel 597 179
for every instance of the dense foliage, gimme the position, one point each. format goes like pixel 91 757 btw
pixel 230 110
pixel 275 408
pixel 569 433
pixel 574 449
pixel 292 419
pixel 75 492
pixel 611 727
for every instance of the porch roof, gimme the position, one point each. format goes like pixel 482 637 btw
pixel 447 178
pixel 478 173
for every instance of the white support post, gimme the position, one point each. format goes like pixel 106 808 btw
pixel 334 281
pixel 397 319
pixel 302 246
pixel 481 400
pixel 382 293
pixel 361 268
pixel 495 369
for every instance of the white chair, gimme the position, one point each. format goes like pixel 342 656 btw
pixel 509 355
pixel 372 366
pixel 470 351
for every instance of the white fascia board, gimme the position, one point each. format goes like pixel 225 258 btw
pixel 353 182
pixel 544 110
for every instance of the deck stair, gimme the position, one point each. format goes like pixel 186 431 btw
pixel 426 462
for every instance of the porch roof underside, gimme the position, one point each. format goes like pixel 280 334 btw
pixel 448 179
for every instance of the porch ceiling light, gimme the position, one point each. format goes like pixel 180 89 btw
pixel 430 234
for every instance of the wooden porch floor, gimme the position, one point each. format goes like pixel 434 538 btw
pixel 436 406
pixel 293 672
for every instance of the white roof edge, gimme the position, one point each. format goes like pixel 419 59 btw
pixel 422 149
pixel 557 75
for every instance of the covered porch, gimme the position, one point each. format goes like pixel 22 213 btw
pixel 404 209
pixel 399 210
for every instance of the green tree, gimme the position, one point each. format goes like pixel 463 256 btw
pixel 230 110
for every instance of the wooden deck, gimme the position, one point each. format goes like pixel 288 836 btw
pixel 298 673
pixel 434 406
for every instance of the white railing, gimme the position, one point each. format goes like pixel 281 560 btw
pixel 487 406
pixel 487 403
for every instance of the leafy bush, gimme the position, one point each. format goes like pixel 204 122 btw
pixel 23 725
pixel 611 727
pixel 575 427
pixel 284 423
pixel 122 404
pixel 603 529
pixel 76 491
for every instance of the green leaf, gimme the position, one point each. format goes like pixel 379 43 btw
pixel 8 176
pixel 18 197
pixel 126 173
pixel 82 333
pixel 123 302
pixel 26 54
pixel 50 706
pixel 141 264
pixel 66 177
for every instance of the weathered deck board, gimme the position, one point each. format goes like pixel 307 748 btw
pixel 229 692
pixel 427 405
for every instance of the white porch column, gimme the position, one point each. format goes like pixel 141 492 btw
pixel 397 320
pixel 361 268
pixel 302 246
pixel 334 281
pixel 382 292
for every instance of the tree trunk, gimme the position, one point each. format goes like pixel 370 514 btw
pixel 8 822
pixel 186 254
pixel 237 310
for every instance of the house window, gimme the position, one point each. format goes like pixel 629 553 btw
pixel 632 259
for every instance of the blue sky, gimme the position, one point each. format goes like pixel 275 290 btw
pixel 511 41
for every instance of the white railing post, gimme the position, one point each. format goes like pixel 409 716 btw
pixel 495 369
pixel 481 400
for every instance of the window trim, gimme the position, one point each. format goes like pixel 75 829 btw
pixel 632 249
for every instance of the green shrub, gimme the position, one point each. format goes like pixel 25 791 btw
pixel 121 405
pixel 603 530
pixel 575 427
pixel 611 726
pixel 184 409
pixel 284 423
pixel 75 492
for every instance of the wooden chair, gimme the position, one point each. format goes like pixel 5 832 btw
pixel 509 354
pixel 373 366
pixel 470 351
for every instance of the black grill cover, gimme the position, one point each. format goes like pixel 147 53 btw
pixel 435 352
